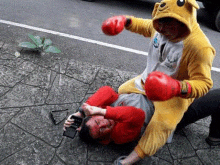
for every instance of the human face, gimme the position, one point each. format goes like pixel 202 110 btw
pixel 170 28
pixel 100 127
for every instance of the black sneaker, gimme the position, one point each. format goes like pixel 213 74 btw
pixel 211 142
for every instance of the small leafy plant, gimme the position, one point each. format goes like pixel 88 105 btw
pixel 40 44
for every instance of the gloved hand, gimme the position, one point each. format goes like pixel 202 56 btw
pixel 161 87
pixel 114 25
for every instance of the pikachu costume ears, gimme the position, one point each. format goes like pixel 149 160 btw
pixel 182 10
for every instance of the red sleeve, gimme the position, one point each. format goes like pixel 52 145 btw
pixel 130 114
pixel 129 121
pixel 104 96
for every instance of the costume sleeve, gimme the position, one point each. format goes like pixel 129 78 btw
pixel 141 26
pixel 129 121
pixel 200 72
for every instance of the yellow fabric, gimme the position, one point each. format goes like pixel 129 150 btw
pixel 141 26
pixel 129 87
pixel 166 116
pixel 195 68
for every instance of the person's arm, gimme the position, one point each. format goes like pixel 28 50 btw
pixel 161 87
pixel 141 26
pixel 127 114
pixel 199 71
pixel 93 110
pixel 131 159
pixel 103 97
pixel 116 24
pixel 129 123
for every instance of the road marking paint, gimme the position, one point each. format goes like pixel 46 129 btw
pixel 215 69
pixel 75 37
pixel 82 39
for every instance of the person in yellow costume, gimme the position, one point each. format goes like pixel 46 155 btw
pixel 178 68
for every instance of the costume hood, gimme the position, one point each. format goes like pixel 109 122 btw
pixel 182 10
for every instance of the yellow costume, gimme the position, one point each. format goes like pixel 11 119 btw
pixel 187 59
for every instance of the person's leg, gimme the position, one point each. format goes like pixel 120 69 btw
pixel 214 131
pixel 103 97
pixel 215 125
pixel 191 116
pixel 201 108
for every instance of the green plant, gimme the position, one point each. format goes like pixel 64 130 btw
pixel 40 44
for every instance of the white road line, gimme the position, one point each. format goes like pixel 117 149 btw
pixel 82 39
pixel 74 37
pixel 215 69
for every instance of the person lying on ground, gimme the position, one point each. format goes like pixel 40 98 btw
pixel 109 118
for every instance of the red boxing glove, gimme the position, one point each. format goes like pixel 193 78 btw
pixel 161 87
pixel 114 25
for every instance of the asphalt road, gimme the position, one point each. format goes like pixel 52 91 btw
pixel 84 19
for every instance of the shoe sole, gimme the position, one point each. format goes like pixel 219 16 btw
pixel 212 143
